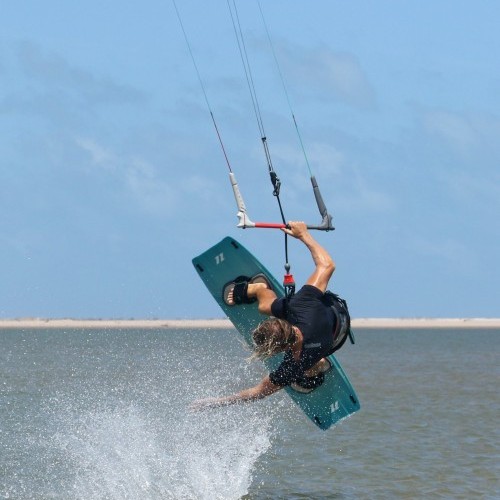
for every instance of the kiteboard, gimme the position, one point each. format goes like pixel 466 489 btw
pixel 326 405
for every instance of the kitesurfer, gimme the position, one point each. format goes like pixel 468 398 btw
pixel 308 327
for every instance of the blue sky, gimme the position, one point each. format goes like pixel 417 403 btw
pixel 112 178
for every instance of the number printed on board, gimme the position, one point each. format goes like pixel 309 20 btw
pixel 219 258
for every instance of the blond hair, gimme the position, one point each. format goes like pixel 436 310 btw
pixel 271 337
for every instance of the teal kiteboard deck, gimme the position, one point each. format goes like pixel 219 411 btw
pixel 326 405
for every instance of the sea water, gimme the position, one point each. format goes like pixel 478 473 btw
pixel 104 414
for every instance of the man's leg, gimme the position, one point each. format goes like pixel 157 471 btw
pixel 265 296
pixel 313 378
pixel 322 366
pixel 262 293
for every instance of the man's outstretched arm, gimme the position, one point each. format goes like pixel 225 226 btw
pixel 261 390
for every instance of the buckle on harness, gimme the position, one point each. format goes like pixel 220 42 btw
pixel 289 285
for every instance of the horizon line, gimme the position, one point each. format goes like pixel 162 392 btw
pixel 395 322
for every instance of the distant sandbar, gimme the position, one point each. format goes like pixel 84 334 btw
pixel 380 323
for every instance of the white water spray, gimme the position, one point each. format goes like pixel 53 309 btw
pixel 126 454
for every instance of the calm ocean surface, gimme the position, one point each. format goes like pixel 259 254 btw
pixel 90 414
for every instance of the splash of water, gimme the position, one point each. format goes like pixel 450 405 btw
pixel 107 419
pixel 125 454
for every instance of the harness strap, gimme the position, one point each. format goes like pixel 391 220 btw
pixel 342 323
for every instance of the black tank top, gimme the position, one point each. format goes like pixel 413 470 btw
pixel 312 315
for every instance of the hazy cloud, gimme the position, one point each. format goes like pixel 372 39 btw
pixel 51 70
pixel 320 155
pixel 325 70
pixel 367 195
pixel 152 193
pixel 99 155
pixel 454 129
pixel 445 249
pixel 469 135
pixel 57 90
pixel 139 179
pixel 479 191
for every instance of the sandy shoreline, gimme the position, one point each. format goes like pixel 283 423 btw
pixel 28 323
